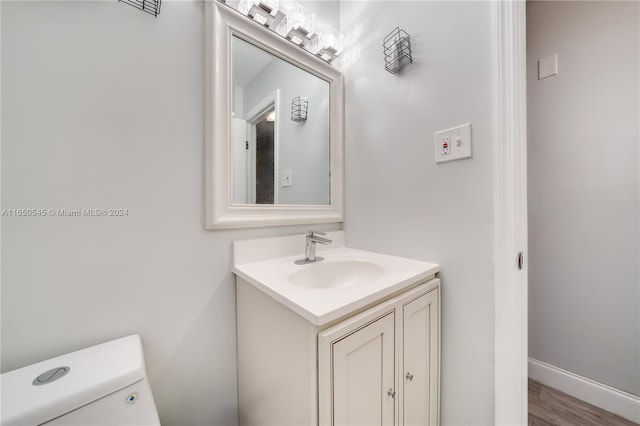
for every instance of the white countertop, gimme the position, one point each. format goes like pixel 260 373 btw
pixel 267 264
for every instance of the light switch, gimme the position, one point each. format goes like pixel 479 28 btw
pixel 547 66
pixel 453 144
pixel 286 177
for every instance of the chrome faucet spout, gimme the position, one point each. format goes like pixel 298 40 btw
pixel 311 239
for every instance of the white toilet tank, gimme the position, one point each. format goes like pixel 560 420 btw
pixel 101 385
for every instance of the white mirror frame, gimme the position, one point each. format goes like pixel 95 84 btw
pixel 222 23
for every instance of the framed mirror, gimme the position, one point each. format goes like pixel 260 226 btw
pixel 274 128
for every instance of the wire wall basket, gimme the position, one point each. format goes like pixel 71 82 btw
pixel 397 50
pixel 299 108
pixel 152 7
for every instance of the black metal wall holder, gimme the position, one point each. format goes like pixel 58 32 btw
pixel 397 50
pixel 152 7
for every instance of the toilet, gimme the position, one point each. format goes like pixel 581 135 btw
pixel 105 384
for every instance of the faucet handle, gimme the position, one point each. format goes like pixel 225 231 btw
pixel 314 237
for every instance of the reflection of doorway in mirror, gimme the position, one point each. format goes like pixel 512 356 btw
pixel 265 169
pixel 240 160
pixel 261 169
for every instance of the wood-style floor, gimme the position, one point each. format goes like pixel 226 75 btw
pixel 550 407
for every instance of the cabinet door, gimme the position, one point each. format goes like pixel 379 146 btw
pixel 364 375
pixel 419 361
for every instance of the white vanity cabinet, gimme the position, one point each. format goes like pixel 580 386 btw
pixel 379 365
pixel 382 366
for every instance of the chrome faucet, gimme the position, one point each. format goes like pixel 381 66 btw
pixel 310 248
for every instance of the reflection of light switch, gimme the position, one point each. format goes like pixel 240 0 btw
pixel 286 177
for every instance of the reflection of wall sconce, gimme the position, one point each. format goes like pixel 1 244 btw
pixel 150 6
pixel 299 107
pixel 263 12
pixel 397 51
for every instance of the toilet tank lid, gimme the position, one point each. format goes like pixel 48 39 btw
pixel 94 372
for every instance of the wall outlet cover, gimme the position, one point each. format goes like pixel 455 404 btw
pixel 453 144
pixel 287 177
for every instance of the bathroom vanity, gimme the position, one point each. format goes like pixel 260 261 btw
pixel 351 339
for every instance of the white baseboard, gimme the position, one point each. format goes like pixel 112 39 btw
pixel 603 396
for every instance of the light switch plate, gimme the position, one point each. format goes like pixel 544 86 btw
pixel 453 144
pixel 547 66
pixel 286 177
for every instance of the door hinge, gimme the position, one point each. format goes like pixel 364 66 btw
pixel 520 260
pixel 246 146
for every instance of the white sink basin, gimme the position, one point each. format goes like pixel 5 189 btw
pixel 347 278
pixel 337 273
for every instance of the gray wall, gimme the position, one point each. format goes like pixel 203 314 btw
pixel 584 214
pixel 102 106
pixel 399 201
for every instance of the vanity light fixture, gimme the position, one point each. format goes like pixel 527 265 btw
pixel 299 108
pixel 298 25
pixel 263 12
pixel 328 44
pixel 292 21
pixel 271 116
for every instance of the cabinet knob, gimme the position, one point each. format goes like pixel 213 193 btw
pixel 408 376
pixel 391 393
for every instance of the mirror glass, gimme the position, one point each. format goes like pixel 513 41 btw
pixel 280 131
